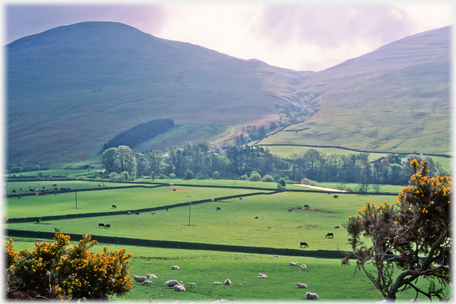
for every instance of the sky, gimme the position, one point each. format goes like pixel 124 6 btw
pixel 298 35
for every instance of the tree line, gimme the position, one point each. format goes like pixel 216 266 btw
pixel 140 133
pixel 199 161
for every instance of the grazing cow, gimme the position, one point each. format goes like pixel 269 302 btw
pixel 137 213
pixel 54 185
pixel 256 217
pixel 38 221
pixel 14 191
pixel 240 198
pixel 289 209
pixel 113 206
pixel 166 209
pixel 44 187
pixel 336 226
pixel 152 212
pixel 99 186
pixel 174 189
pixel 306 206
pixel 218 208
pixel 303 244
pixel 330 234
pixel 335 196
pixel 101 225
pixel 108 226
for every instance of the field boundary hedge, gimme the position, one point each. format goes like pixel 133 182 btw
pixel 183 245
pixel 110 213
pixel 350 149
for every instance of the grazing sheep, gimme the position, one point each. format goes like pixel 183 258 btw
pixel 193 285
pixel 293 263
pixel 175 268
pixel 227 282
pixel 149 283
pixel 151 276
pixel 139 279
pixel 311 296
pixel 217 283
pixel 300 285
pixel 303 266
pixel 171 283
pixel 179 287
pixel 262 275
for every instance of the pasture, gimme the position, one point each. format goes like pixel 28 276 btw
pixel 327 277
pixel 234 224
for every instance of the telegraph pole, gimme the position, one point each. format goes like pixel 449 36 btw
pixel 76 198
pixel 189 212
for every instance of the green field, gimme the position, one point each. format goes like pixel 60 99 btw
pixel 234 224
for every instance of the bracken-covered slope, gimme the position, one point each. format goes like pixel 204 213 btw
pixel 72 88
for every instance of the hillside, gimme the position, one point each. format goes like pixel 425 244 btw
pixel 72 88
pixel 396 99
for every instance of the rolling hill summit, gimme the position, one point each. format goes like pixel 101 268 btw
pixel 72 89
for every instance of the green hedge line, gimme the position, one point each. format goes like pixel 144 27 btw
pixel 184 245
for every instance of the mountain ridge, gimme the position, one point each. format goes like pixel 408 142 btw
pixel 66 96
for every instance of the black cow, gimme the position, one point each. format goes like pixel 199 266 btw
pixel 303 244
pixel 101 225
pixel 330 234
pixel 137 213
pixel 306 206
pixel 256 217
pixel 108 226
pixel 218 208
pixel 14 191
pixel 335 196
pixel 113 206
pixel 38 221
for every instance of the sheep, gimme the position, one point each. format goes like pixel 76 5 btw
pixel 179 287
pixel 217 283
pixel 139 279
pixel 262 275
pixel 175 268
pixel 227 282
pixel 149 283
pixel 193 285
pixel 303 266
pixel 293 263
pixel 151 276
pixel 311 296
pixel 171 283
pixel 300 285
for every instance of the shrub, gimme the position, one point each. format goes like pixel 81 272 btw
pixel 282 182
pixel 276 177
pixel 307 181
pixel 215 175
pixel 162 176
pixel 267 178
pixel 51 271
pixel 113 176
pixel 188 174
pixel 255 176
pixel 172 176
pixel 244 177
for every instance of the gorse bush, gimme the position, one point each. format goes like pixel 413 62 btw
pixel 52 271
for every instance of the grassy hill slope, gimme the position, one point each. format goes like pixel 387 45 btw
pixel 396 99
pixel 72 88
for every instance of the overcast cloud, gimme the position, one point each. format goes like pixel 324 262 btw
pixel 296 36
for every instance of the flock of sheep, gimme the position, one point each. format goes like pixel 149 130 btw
pixel 181 287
